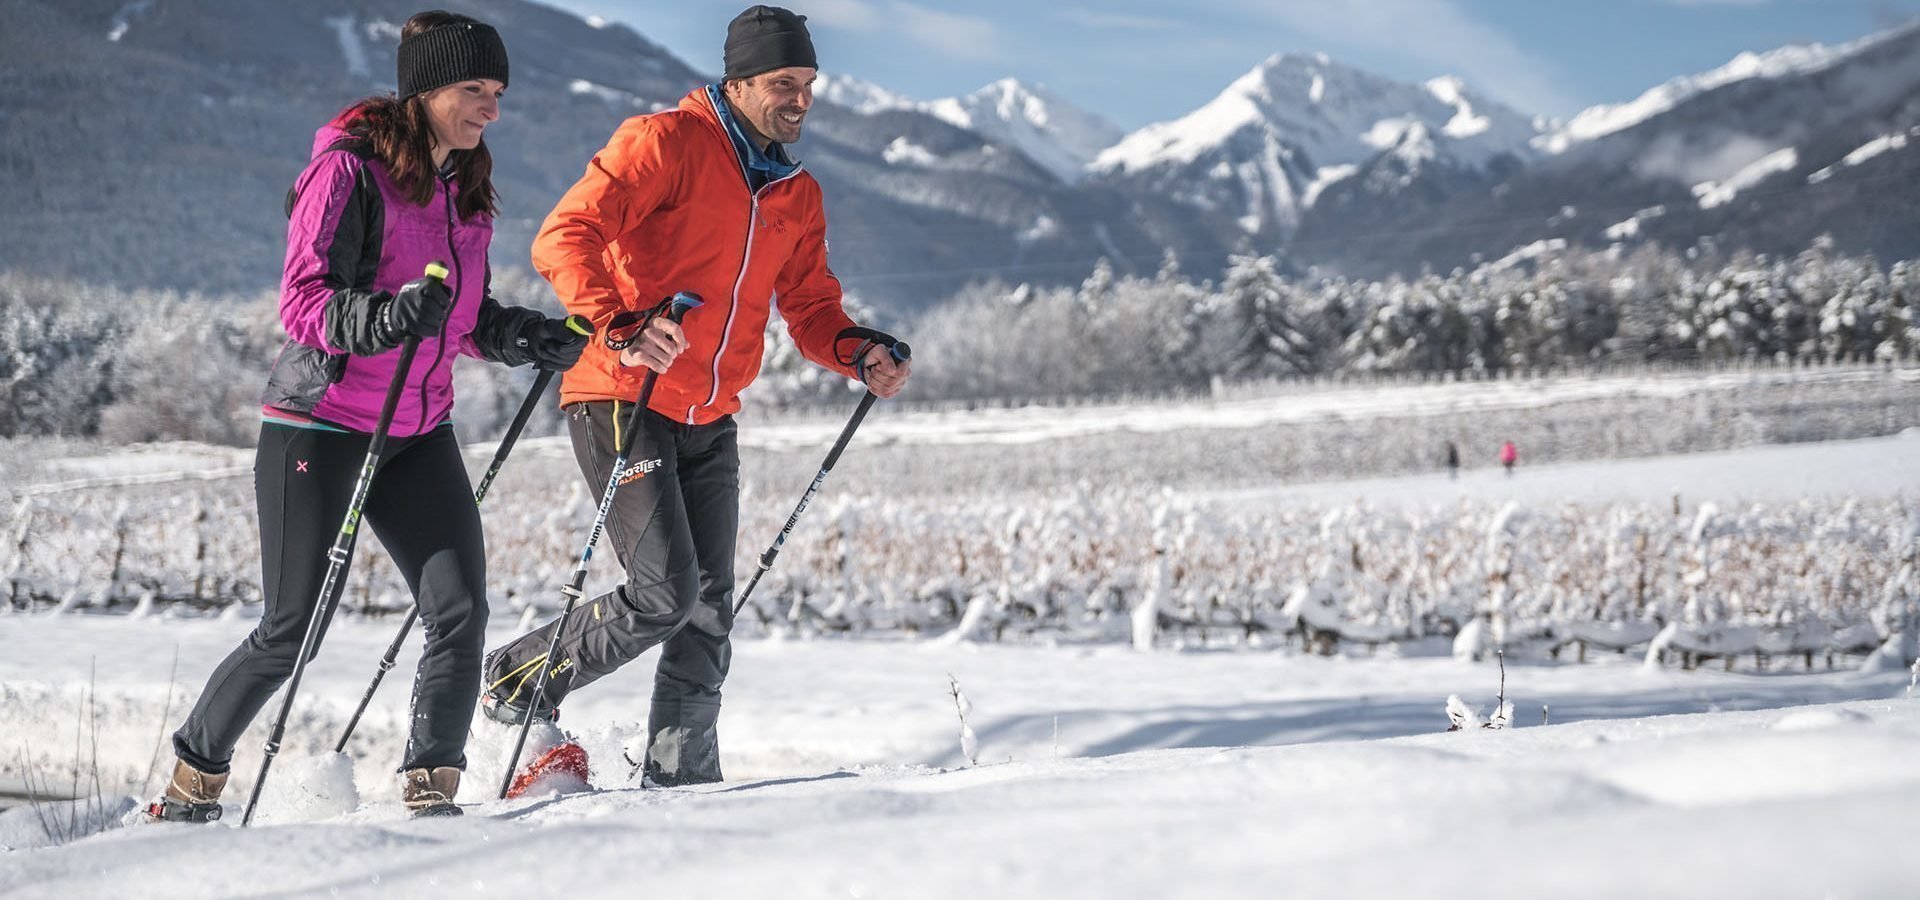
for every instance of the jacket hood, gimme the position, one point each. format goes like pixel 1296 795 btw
pixel 774 164
pixel 331 133
pixel 697 102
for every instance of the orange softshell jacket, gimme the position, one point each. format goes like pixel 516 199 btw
pixel 664 207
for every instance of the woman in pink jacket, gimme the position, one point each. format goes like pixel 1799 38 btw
pixel 396 182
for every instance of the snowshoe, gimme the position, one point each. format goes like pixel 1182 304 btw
pixel 551 759
pixel 167 809
pixel 563 767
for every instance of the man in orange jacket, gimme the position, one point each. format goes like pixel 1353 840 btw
pixel 704 199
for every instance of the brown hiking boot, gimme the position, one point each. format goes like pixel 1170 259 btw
pixel 191 796
pixel 429 792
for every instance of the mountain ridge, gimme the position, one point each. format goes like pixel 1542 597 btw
pixel 176 184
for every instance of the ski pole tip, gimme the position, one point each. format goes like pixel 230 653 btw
pixel 437 270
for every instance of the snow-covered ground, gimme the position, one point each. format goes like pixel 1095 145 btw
pixel 1100 771
pixel 1269 404
pixel 1871 467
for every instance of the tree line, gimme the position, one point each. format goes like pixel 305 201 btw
pixel 1573 310
pixel 87 360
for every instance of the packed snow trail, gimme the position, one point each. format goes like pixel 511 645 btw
pixel 1803 802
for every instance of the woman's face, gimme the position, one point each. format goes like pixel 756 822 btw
pixel 459 112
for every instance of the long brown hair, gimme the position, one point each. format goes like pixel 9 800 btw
pixel 402 138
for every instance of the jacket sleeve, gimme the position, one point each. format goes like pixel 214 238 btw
pixel 496 333
pixel 808 296
pixel 333 213
pixel 626 181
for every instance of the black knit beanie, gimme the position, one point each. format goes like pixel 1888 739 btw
pixel 450 54
pixel 764 38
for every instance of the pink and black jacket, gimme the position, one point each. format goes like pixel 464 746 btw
pixel 353 239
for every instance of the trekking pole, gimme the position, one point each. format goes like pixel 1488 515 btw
pixel 340 555
pixel 577 324
pixel 901 353
pixel 576 585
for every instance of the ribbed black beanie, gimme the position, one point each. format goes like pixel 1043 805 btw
pixel 450 54
pixel 764 38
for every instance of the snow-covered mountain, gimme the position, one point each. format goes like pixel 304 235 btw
pixel 863 97
pixel 1767 153
pixel 1607 118
pixel 1267 146
pixel 197 160
pixel 1050 130
pixel 1060 136
pixel 177 185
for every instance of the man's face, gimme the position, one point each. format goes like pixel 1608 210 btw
pixel 775 103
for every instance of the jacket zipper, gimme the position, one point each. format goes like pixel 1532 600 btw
pixel 726 336
pixel 746 259
pixel 440 342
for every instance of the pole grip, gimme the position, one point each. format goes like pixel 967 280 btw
pixel 677 308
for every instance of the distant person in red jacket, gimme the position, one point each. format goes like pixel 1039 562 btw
pixel 1508 456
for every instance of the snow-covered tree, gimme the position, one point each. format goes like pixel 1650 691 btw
pixel 1257 330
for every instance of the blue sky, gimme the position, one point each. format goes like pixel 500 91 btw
pixel 1137 62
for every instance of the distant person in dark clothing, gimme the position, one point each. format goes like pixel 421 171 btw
pixel 1509 455
pixel 1453 461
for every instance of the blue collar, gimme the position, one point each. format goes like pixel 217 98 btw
pixel 771 165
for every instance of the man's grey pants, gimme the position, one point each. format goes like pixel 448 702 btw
pixel 672 524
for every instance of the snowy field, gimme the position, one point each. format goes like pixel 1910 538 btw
pixel 1259 404
pixel 1102 773
pixel 1097 770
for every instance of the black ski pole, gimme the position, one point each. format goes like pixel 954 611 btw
pixel 901 353
pixel 339 556
pixel 576 585
pixel 579 325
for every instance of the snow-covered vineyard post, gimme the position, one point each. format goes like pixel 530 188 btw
pixel 1808 580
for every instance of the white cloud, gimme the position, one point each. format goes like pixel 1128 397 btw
pixel 1092 18
pixel 1436 33
pixel 950 34
pixel 958 36
pixel 852 15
